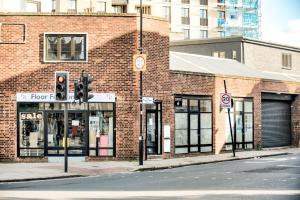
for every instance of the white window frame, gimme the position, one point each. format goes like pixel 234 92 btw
pixel 66 61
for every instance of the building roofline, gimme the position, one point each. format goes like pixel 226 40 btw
pixel 233 39
pixel 82 14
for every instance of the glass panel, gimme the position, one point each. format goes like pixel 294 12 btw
pixel 106 152
pixel 227 127
pixel 28 107
pixel 194 137
pixel 181 150
pixel 52 48
pixel 31 152
pixel 239 128
pixel 31 130
pixel 194 149
pixel 183 108
pixel 181 121
pixel 76 132
pixel 193 105
pixel 55 123
pixel 206 136
pixel 248 126
pixel 249 146
pixel 66 48
pixel 101 130
pixel 206 149
pixel 194 121
pixel 151 137
pixel 238 105
pixel 205 105
pixel 77 106
pixel 205 119
pixel 248 106
pixel 159 133
pixel 101 106
pixel 54 106
pixel 181 137
pixel 79 48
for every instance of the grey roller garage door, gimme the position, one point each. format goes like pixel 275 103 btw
pixel 276 123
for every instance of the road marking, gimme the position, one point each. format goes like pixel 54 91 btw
pixel 6 194
pixel 291 166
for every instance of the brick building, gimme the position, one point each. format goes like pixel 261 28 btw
pixel 184 119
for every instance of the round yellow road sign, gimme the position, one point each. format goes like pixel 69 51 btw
pixel 139 62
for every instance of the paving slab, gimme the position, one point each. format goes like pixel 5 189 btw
pixel 52 170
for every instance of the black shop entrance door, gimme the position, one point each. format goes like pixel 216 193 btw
pixel 153 129
pixel 76 134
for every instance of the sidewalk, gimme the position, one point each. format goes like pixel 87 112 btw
pixel 40 171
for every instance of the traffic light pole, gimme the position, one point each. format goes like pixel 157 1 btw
pixel 65 136
pixel 141 141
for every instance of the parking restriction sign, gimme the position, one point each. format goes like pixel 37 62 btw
pixel 225 100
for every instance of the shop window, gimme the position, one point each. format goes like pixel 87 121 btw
pixel 65 47
pixel 31 138
pixel 101 136
pixel 242 124
pixel 193 126
pixel 41 129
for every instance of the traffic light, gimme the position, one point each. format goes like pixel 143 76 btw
pixel 78 90
pixel 61 86
pixel 87 80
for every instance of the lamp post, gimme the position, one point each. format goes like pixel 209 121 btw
pixel 141 141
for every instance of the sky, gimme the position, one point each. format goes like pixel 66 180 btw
pixel 280 22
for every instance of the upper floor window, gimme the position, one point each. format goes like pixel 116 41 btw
pixel 219 54
pixel 100 6
pixel 287 61
pixel 185 1
pixel 72 6
pixel 203 13
pixel 221 33
pixel 203 17
pixel 185 16
pixel 119 8
pixel 186 33
pixel 203 2
pixel 234 55
pixel 203 33
pixel 167 12
pixel 32 6
pixel 65 47
pixel 221 14
pixel 53 6
pixel 145 10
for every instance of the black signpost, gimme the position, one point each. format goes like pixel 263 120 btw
pixel 229 118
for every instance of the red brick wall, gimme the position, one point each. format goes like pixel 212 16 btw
pixel 112 40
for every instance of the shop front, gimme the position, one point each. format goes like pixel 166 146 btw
pixel 90 130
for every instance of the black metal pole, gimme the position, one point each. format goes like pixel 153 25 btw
pixel 232 138
pixel 141 141
pixel 65 136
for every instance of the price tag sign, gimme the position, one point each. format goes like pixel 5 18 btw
pixel 225 100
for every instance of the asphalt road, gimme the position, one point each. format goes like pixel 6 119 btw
pixel 271 178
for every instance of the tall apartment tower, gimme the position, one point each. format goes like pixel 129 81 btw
pixel 189 19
